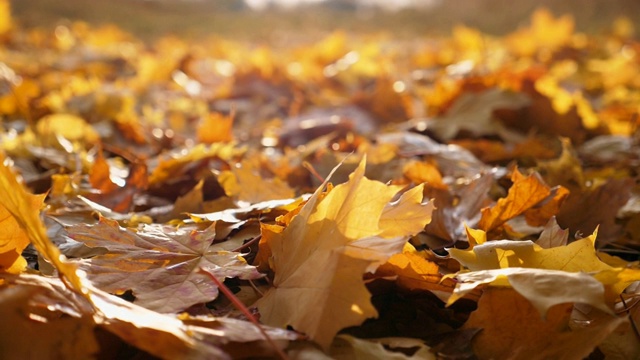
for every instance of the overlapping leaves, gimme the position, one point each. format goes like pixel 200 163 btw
pixel 156 173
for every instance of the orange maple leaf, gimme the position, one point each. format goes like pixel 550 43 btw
pixel 525 193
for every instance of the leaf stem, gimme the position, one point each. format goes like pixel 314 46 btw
pixel 633 323
pixel 255 288
pixel 247 244
pixel 240 306
pixel 312 170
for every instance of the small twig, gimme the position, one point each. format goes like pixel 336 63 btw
pixel 255 288
pixel 240 306
pixel 633 323
pixel 247 244
pixel 123 153
pixel 313 171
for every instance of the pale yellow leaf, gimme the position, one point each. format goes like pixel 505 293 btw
pixel 320 257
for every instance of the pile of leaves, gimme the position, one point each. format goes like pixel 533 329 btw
pixel 351 197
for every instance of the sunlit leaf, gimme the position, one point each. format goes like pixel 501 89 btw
pixel 24 209
pixel 525 193
pixel 339 233
pixel 160 264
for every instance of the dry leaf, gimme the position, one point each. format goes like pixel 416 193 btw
pixel 24 208
pixel 473 113
pixel 47 304
pixel 525 193
pixel 552 235
pixel 245 183
pixel 414 272
pixel 158 263
pixel 215 128
pixel 338 234
pixel 543 288
pixel 535 337
pixel 348 347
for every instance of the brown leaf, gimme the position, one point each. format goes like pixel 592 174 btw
pixel 158 263
pixel 513 329
pixel 118 198
pixel 597 206
pixel 473 113
pixel 33 308
pixel 553 235
pixel 65 322
pixel 456 207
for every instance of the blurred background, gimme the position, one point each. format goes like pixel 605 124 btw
pixel 266 20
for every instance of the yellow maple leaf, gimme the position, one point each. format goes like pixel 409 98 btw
pixel 245 183
pixel 320 257
pixel 529 268
pixel 24 210
pixel 580 255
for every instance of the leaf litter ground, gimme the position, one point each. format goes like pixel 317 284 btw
pixel 461 197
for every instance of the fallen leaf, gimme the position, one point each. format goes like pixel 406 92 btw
pixel 245 183
pixel 539 338
pixel 215 128
pixel 540 214
pixel 337 233
pixel 13 239
pixel 158 263
pixel 413 272
pixel 566 170
pixel 118 198
pixel 421 172
pixel 455 207
pixel 525 193
pixel 47 304
pixel 543 288
pixel 24 209
pixel 584 211
pixel 452 160
pixel 63 331
pixel 473 113
pixel 175 163
pixel 70 127
pixel 622 343
pixel 580 255
pixel 348 347
pixel 100 173
pixel 552 235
